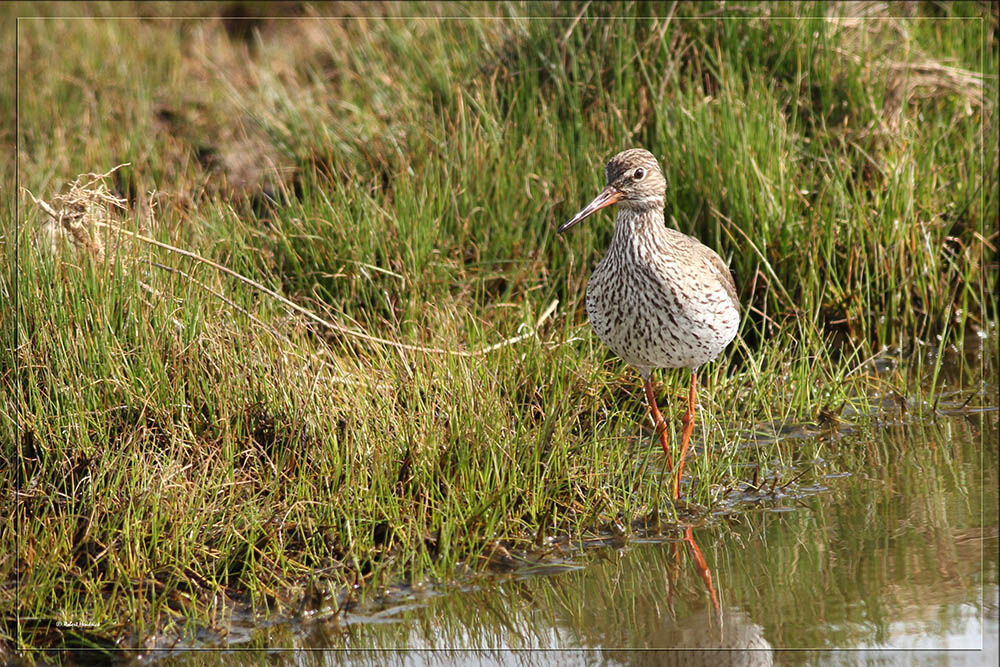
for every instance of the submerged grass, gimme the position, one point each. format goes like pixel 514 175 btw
pixel 402 176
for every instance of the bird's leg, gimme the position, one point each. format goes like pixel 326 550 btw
pixel 688 421
pixel 658 423
pixel 702 566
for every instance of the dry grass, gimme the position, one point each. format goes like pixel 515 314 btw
pixel 875 37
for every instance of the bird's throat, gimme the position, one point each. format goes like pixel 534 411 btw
pixel 635 223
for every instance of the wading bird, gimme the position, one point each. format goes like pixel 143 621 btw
pixel 659 298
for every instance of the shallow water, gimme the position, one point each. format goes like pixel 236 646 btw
pixel 897 564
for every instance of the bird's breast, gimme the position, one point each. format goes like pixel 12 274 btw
pixel 658 308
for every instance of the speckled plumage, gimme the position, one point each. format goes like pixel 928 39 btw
pixel 658 298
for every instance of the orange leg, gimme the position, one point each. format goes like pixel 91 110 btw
pixel 660 425
pixel 701 566
pixel 688 421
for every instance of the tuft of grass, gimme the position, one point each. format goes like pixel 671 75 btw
pixel 180 441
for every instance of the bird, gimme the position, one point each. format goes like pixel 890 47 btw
pixel 658 298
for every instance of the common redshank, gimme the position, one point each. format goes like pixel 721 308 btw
pixel 659 298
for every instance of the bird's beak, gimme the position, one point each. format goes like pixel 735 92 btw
pixel 608 196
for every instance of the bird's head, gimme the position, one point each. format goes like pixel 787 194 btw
pixel 633 179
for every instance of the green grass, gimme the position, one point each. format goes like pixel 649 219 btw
pixel 404 178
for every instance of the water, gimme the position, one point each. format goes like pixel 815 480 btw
pixel 896 563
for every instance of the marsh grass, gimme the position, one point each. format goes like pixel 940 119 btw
pixel 402 178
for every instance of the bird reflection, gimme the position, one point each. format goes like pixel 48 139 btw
pixel 637 606
pixel 707 634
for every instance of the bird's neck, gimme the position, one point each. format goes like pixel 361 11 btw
pixel 636 223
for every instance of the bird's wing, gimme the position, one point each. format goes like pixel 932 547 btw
pixel 719 267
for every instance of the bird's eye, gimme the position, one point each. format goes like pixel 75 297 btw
pixel 638 174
